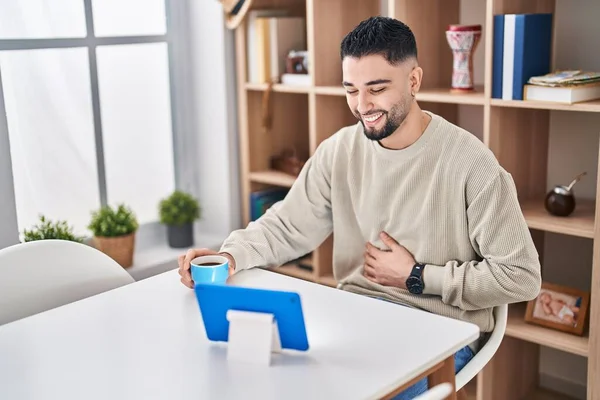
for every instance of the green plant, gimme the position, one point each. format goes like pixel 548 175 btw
pixel 112 222
pixel 48 229
pixel 178 209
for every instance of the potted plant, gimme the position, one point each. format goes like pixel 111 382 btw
pixel 178 212
pixel 114 232
pixel 48 229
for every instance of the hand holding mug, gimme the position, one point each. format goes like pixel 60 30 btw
pixel 193 257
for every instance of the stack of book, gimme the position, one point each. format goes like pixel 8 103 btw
pixel 522 45
pixel 568 87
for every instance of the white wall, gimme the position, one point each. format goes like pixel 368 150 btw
pixel 215 117
pixel 573 148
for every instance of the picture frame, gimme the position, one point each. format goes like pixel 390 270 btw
pixel 559 307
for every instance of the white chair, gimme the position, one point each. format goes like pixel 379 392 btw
pixel 438 392
pixel 487 351
pixel 41 275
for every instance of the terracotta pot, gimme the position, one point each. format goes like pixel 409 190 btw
pixel 118 248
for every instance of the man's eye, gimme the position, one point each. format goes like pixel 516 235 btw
pixel 378 90
pixel 351 91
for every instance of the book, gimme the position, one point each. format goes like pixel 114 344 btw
pixel 563 94
pixel 262 200
pixel 258 43
pixel 522 46
pixel 497 56
pixel 566 78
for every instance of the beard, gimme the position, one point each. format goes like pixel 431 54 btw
pixel 393 119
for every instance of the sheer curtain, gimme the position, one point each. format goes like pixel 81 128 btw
pixel 136 121
pixel 42 19
pixel 129 17
pixel 51 134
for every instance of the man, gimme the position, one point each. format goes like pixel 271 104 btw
pixel 422 213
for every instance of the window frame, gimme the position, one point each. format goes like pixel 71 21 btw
pixel 177 43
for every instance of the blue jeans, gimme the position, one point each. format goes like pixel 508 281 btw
pixel 461 358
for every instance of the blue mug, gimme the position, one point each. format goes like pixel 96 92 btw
pixel 210 269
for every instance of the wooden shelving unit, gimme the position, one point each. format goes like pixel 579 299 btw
pixel 516 131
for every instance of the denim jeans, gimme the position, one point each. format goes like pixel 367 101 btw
pixel 461 358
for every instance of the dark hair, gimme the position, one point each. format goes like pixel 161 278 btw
pixel 380 35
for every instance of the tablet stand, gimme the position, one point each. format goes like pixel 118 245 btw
pixel 253 337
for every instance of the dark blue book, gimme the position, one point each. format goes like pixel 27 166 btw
pixel 498 51
pixel 527 48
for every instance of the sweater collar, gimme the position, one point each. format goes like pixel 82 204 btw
pixel 413 149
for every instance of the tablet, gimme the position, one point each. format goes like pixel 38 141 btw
pixel 286 307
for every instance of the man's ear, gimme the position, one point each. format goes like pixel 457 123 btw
pixel 415 79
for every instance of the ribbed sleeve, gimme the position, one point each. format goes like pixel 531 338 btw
pixel 509 270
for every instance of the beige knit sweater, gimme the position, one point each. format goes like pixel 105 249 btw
pixel 445 198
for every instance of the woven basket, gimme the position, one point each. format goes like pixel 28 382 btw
pixel 118 248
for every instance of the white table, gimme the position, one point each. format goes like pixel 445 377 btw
pixel 147 341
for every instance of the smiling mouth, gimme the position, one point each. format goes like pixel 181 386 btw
pixel 372 118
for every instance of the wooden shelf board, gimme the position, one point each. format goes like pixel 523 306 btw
pixel 580 223
pixel 273 178
pixel 327 280
pixel 330 90
pixel 295 271
pixel 444 95
pixel 518 328
pixel 279 88
pixel 589 106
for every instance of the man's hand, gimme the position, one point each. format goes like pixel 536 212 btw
pixel 184 261
pixel 388 267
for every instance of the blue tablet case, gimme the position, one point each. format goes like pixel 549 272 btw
pixel 215 300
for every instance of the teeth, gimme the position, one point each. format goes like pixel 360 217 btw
pixel 373 117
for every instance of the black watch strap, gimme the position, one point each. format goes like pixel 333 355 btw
pixel 417 270
pixel 415 283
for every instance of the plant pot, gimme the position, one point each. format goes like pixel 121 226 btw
pixel 180 236
pixel 119 248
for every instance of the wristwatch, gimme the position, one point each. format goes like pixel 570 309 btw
pixel 414 282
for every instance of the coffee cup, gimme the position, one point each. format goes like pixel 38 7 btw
pixel 210 269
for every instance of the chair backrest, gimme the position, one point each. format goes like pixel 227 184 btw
pixel 40 275
pixel 485 354
pixel 438 392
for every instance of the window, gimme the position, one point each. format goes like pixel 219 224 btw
pixel 87 95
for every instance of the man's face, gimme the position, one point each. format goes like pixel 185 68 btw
pixel 377 93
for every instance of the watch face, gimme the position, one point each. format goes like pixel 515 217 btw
pixel 414 285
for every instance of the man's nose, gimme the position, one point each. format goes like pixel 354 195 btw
pixel 364 104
